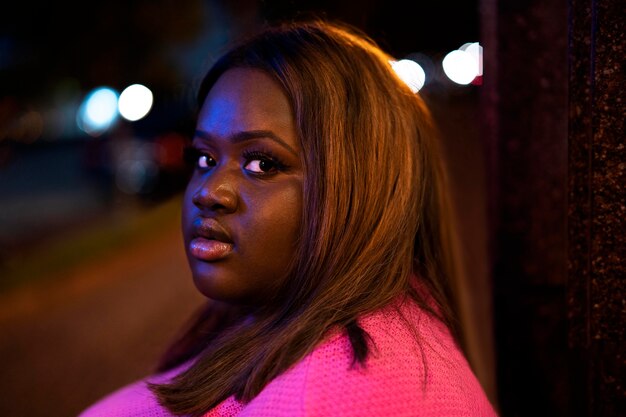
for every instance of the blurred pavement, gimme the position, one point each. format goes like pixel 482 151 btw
pixel 71 338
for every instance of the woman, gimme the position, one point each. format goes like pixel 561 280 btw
pixel 316 223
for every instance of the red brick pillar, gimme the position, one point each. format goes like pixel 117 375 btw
pixel 597 207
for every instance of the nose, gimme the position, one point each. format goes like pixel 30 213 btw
pixel 216 193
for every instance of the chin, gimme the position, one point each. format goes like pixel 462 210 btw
pixel 220 289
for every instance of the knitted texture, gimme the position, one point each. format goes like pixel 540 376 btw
pixel 401 377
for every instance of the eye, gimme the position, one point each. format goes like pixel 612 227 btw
pixel 260 166
pixel 206 161
pixel 262 163
pixel 198 159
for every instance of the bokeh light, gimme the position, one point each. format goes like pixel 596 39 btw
pixel 410 72
pixel 135 102
pixel 98 111
pixel 476 51
pixel 460 67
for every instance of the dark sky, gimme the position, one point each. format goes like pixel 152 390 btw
pixel 115 42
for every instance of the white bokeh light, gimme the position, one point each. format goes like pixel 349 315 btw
pixel 410 72
pixel 476 51
pixel 98 111
pixel 135 102
pixel 460 67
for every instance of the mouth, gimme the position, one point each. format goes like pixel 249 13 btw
pixel 210 242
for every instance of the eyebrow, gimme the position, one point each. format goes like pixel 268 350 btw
pixel 247 135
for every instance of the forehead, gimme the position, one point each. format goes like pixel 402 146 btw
pixel 246 99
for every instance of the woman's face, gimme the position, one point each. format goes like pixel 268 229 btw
pixel 243 204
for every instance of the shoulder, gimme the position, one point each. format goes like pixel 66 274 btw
pixel 133 400
pixel 414 369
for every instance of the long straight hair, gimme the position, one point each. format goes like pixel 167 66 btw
pixel 375 219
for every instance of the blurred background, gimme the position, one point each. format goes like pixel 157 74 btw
pixel 98 98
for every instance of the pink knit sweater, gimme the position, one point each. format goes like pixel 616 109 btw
pixel 401 378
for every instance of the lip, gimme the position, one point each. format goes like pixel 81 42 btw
pixel 210 240
pixel 210 228
pixel 209 250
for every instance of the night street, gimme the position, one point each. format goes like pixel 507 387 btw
pixel 72 338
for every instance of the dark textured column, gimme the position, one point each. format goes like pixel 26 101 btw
pixel 597 207
pixel 525 132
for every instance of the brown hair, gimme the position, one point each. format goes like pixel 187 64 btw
pixel 375 215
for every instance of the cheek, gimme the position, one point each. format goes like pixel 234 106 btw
pixel 188 208
pixel 274 221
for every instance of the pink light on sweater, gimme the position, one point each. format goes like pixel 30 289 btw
pixel 401 378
